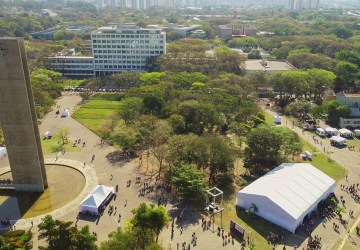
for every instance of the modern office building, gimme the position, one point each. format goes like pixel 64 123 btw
pixel 353 101
pixel 115 49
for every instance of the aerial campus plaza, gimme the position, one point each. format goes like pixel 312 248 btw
pixel 93 184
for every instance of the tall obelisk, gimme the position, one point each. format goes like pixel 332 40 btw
pixel 18 118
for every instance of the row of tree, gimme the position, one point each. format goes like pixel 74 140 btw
pixel 141 232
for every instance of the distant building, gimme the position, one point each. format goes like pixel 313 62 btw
pixel 45 34
pixel 267 66
pixel 73 65
pixel 353 101
pixel 115 49
pixel 186 31
pixel 228 31
pixel 303 4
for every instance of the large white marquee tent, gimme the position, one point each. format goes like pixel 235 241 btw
pixel 100 195
pixel 287 194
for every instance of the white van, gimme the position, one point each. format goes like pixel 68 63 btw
pixel 320 132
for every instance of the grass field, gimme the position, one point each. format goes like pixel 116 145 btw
pixel 52 146
pixel 95 111
pixel 322 162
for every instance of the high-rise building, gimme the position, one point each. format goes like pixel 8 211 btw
pixel 115 49
pixel 303 4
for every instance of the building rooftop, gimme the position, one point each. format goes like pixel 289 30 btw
pixel 259 65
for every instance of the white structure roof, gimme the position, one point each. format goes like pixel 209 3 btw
pixel 330 129
pixel 345 131
pixel 287 194
pixel 93 201
pixel 102 191
pixel 338 139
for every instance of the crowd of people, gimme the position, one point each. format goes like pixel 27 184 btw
pixel 314 243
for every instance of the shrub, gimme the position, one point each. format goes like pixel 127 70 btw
pixel 14 233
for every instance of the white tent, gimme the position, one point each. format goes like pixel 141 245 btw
pixel 338 140
pixel 2 152
pixel 357 132
pixel 277 119
pixel 287 194
pixel 65 113
pixel 96 198
pixel 345 132
pixel 91 204
pixel 331 131
pixel 47 135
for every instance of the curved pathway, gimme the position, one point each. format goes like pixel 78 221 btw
pixel 91 181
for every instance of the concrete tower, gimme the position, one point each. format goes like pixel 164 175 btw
pixel 18 118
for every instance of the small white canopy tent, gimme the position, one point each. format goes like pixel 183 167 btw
pixel 277 119
pixel 338 140
pixel 287 194
pixel 331 131
pixel 345 132
pixel 65 113
pixel 96 198
pixel 91 204
pixel 2 152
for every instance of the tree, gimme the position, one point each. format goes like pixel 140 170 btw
pixel 149 217
pixel 189 183
pixel 126 136
pixel 3 244
pixel 130 108
pixel 151 78
pixel 295 109
pixel 342 32
pixel 176 121
pixel 119 239
pixel 347 71
pixel 153 104
pixel 254 54
pixel 62 136
pixel 319 80
pixel 134 239
pixel 334 111
pixel 61 235
pixel 268 146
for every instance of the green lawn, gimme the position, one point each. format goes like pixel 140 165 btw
pixel 322 162
pixel 258 227
pixel 52 146
pixel 95 111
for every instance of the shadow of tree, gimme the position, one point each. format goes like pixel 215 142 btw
pixel 117 158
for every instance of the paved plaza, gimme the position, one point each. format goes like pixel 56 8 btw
pixel 112 169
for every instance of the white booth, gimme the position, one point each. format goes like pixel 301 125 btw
pixel 2 152
pixel 65 113
pixel 337 141
pixel 277 119
pixel 331 131
pixel 47 135
pixel 357 132
pixel 345 133
pixel 99 196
